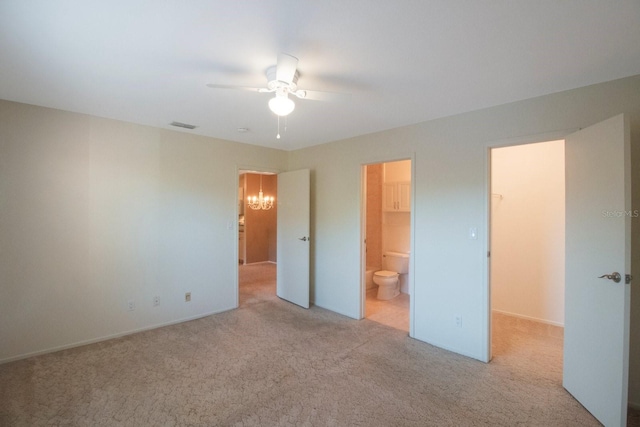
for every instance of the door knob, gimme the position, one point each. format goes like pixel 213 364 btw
pixel 615 276
pixel 304 239
pixel 628 278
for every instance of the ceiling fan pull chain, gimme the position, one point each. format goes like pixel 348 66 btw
pixel 278 135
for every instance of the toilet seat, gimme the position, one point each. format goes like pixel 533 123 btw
pixel 385 273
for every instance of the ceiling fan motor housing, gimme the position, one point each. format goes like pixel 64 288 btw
pixel 274 84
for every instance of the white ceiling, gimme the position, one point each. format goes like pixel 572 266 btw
pixel 397 62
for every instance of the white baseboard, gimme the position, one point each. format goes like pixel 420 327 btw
pixel 108 337
pixel 534 319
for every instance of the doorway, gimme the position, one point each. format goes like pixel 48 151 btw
pixel 257 236
pixel 387 229
pixel 597 248
pixel 527 262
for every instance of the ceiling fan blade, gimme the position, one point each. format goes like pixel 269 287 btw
pixel 286 67
pixel 317 95
pixel 251 89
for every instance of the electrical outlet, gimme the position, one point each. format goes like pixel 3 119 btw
pixel 458 320
pixel 156 301
pixel 131 305
pixel 187 297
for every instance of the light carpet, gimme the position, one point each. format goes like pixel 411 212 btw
pixel 271 363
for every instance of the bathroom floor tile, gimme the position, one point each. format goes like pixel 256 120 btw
pixel 393 312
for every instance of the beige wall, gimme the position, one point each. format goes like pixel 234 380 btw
pixel 449 270
pixel 95 213
pixel 527 231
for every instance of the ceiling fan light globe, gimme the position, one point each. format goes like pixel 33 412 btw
pixel 281 105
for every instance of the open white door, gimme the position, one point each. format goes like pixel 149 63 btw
pixel 598 242
pixel 293 237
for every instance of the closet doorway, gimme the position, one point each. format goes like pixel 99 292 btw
pixel 527 252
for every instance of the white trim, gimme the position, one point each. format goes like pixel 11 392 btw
pixel 260 262
pixel 337 311
pixel 412 255
pixel 109 337
pixel 534 319
pixel 530 139
pixel 363 236
pixel 486 350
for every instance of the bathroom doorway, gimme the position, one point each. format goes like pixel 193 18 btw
pixel 386 228
pixel 257 232
pixel 527 252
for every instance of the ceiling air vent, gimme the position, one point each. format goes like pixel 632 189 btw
pixel 182 125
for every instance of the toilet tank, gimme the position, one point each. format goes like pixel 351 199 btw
pixel 396 261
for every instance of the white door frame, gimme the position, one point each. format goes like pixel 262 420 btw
pixel 248 169
pixel 363 234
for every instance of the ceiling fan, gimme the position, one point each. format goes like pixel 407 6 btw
pixel 282 79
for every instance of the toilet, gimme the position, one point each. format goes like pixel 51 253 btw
pixel 394 264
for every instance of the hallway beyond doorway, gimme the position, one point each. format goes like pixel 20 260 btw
pixel 257 283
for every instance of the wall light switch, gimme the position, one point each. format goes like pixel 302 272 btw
pixel 473 233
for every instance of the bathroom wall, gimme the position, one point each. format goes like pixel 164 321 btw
pixel 396 226
pixel 527 231
pixel 374 216
pixel 397 171
pixel 260 226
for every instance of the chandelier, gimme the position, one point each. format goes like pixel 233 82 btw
pixel 260 202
